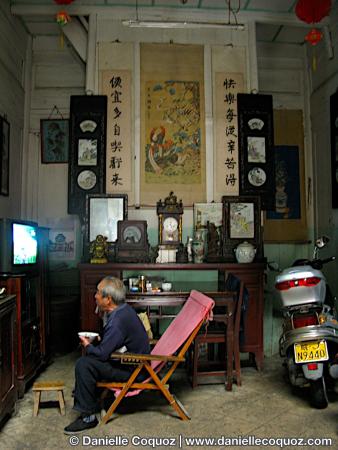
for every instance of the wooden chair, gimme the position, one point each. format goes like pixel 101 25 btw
pixel 177 338
pixel 218 336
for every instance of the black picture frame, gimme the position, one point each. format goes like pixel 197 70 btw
pixel 87 134
pixel 4 156
pixel 103 211
pixel 241 222
pixel 54 135
pixel 256 146
pixel 132 241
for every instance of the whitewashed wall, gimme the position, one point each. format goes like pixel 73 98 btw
pixel 281 74
pixel 110 31
pixel 57 74
pixel 287 73
pixel 13 43
pixel 324 83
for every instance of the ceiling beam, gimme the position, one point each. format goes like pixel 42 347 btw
pixel 78 37
pixel 165 14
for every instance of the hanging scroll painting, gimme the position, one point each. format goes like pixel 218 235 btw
pixel 228 85
pixel 172 122
pixel 116 84
pixel 287 222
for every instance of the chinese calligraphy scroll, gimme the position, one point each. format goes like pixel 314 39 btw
pixel 228 85
pixel 116 84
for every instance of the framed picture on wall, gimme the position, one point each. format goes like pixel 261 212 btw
pixel 241 222
pixel 54 140
pixel 255 123
pixel 287 221
pixel 87 150
pixel 256 149
pixel 4 157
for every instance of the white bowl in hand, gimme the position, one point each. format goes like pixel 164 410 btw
pixel 166 287
pixel 88 334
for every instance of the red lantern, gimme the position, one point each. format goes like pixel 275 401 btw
pixel 63 2
pixel 312 11
pixel 62 18
pixel 314 36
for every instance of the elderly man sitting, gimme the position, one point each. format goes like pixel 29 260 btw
pixel 122 329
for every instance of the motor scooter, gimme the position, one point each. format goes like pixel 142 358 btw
pixel 309 340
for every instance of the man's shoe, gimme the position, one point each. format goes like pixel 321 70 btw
pixel 80 425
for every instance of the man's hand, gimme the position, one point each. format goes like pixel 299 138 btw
pixel 84 341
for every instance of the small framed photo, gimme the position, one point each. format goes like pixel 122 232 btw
pixel 4 157
pixel 256 149
pixel 132 233
pixel 54 140
pixel 132 241
pixel 103 212
pixel 87 152
pixel 207 212
pixel 241 222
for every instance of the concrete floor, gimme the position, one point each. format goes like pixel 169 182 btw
pixel 263 407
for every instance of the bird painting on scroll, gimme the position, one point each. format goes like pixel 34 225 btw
pixel 173 132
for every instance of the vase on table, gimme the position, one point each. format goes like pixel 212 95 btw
pixel 198 247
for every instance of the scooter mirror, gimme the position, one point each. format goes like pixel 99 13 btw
pixel 322 241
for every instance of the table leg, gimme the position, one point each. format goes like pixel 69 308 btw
pixel 230 352
pixel 259 359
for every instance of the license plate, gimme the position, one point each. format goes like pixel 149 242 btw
pixel 313 351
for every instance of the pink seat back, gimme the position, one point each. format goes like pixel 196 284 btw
pixel 195 309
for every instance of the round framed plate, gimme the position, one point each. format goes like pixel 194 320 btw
pixel 257 176
pixel 86 179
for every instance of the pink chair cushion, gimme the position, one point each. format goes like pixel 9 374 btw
pixel 197 308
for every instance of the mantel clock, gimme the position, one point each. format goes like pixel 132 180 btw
pixel 170 213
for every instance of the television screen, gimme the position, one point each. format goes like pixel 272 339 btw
pixel 25 244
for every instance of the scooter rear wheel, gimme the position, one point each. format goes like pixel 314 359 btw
pixel 318 394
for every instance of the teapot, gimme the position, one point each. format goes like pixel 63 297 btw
pixel 245 252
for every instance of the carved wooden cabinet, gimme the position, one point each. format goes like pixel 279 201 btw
pixel 30 338
pixel 252 275
pixel 8 381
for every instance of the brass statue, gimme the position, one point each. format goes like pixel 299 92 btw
pixel 99 250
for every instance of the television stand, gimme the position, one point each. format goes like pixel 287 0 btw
pixel 29 325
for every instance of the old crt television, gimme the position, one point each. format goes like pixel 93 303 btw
pixel 18 246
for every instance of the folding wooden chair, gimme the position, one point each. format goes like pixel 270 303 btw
pixel 177 337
